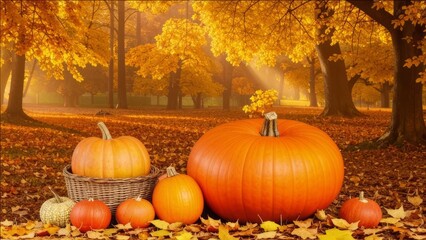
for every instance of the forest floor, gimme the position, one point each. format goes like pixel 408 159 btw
pixel 33 158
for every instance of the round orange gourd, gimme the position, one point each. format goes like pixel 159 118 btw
pixel 105 157
pixel 361 209
pixel 177 198
pixel 136 211
pixel 90 215
pixel 250 170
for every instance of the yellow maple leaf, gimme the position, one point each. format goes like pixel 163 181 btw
pixel 343 224
pixel 269 226
pixel 336 234
pixel 160 224
pixel 224 234
pixel 160 233
pixel 184 236
pixel 397 213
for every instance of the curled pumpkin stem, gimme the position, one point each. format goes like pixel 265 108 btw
pixel 270 126
pixel 105 132
pixel 57 198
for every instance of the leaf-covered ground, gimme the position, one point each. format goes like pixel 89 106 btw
pixel 32 159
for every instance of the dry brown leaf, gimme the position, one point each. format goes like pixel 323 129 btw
pixel 305 233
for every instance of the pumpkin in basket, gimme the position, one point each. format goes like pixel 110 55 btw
pixel 253 170
pixel 105 157
pixel 90 214
pixel 177 198
pixel 136 211
pixel 56 210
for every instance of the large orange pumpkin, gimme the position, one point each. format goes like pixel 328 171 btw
pixel 106 157
pixel 250 170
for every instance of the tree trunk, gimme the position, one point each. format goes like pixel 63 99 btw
pixel 296 93
pixel 69 89
pixel 14 110
pixel 138 28
pixel 111 60
pixel 6 69
pixel 384 95
pixel 338 99
pixel 122 91
pixel 227 82
pixel 312 92
pixel 30 77
pixel 198 101
pixel 173 95
pixel 407 122
pixel 407 111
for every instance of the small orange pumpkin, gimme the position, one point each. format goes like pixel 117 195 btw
pixel 136 211
pixel 90 215
pixel 177 198
pixel 361 209
pixel 105 157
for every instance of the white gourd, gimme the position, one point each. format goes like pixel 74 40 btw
pixel 56 210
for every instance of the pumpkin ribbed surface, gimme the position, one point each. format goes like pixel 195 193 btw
pixel 248 177
pixel 178 198
pixel 361 209
pixel 56 213
pixel 108 157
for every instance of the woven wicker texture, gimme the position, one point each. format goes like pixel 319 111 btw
pixel 111 191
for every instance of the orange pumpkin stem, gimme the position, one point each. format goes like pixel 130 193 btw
pixel 362 198
pixel 171 171
pixel 106 135
pixel 270 127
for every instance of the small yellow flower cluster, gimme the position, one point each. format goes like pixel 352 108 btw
pixel 260 101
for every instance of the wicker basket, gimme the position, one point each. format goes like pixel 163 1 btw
pixel 112 191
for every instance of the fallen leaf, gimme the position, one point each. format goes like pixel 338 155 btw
pixel 389 220
pixel 336 234
pixel 305 233
pixel 303 224
pixel 320 214
pixel 160 233
pixel 397 213
pixel 177 226
pixel 121 237
pixel 184 236
pixel 269 226
pixel 94 235
pixel 266 235
pixel 373 237
pixel 127 226
pixel 6 223
pixel 416 200
pixel 224 234
pixel 160 224
pixel 343 224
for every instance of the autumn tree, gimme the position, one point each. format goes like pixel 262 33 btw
pixel 263 31
pixel 179 46
pixel 5 69
pixel 405 21
pixel 51 32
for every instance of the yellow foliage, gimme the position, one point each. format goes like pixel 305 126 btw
pixel 260 101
